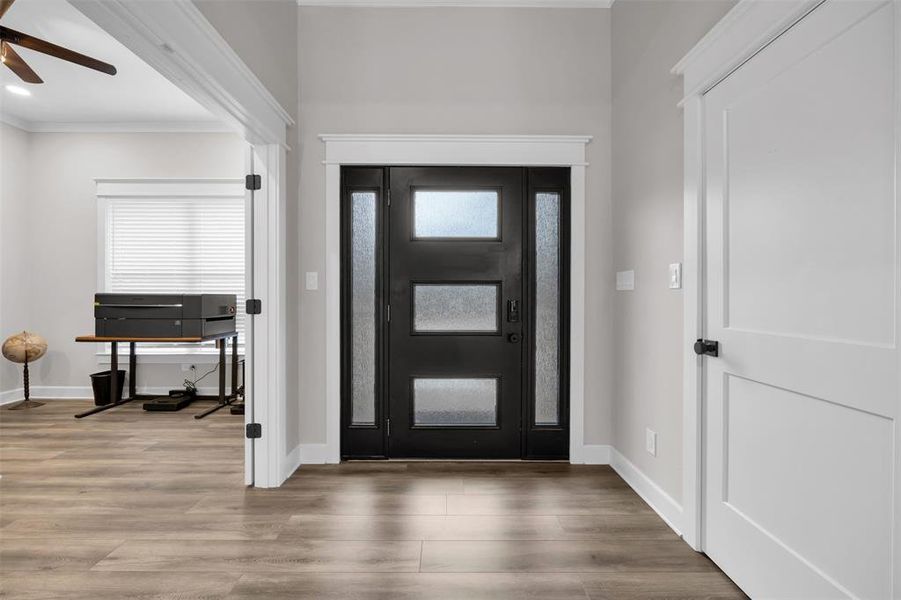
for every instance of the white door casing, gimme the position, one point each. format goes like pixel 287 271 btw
pixel 793 154
pixel 457 150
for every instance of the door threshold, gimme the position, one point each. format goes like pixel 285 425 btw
pixel 459 460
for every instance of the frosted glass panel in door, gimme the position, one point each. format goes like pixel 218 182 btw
pixel 456 214
pixel 455 402
pixel 363 245
pixel 444 308
pixel 547 308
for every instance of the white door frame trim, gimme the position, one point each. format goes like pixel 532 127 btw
pixel 745 30
pixel 454 150
pixel 179 42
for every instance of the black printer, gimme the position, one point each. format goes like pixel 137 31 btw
pixel 164 315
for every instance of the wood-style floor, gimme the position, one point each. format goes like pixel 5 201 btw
pixel 127 504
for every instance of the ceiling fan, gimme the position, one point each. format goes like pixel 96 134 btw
pixel 17 65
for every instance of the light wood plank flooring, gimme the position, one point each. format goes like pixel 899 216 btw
pixel 127 504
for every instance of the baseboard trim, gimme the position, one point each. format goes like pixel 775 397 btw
pixel 662 503
pixel 592 454
pixel 10 396
pixel 314 454
pixel 79 392
pixel 291 463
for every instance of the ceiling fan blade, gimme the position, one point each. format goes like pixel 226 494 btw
pixel 4 6
pixel 11 59
pixel 38 45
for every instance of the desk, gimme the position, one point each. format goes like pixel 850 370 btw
pixel 220 339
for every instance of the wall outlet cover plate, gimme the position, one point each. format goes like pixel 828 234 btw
pixel 625 280
pixel 651 442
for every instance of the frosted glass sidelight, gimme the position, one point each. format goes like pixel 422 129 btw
pixel 456 214
pixel 547 313
pixel 455 402
pixel 363 245
pixel 442 308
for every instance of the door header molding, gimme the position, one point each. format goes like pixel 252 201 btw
pixel 455 150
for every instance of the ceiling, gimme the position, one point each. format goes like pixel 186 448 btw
pixel 462 3
pixel 137 98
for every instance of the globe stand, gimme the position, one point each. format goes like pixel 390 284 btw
pixel 27 402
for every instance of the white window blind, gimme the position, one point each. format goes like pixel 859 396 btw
pixel 180 237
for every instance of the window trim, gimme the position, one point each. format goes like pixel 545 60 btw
pixel 156 187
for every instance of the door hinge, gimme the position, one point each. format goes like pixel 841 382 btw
pixel 388 313
pixel 254 431
pixel 253 182
pixel 253 306
pixel 388 425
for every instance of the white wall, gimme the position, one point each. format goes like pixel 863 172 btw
pixel 455 70
pixel 58 212
pixel 264 34
pixel 649 37
pixel 15 246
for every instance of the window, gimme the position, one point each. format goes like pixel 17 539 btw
pixel 460 214
pixel 173 236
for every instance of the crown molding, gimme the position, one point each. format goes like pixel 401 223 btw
pixel 14 122
pixel 458 3
pixel 117 127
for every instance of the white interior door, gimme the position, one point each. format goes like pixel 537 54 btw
pixel 802 263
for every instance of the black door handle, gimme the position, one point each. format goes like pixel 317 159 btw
pixel 708 347
pixel 514 338
pixel 512 311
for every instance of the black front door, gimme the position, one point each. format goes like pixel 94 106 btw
pixel 454 303
pixel 455 292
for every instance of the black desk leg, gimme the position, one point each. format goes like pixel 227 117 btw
pixel 113 371
pixel 223 400
pixel 132 370
pixel 222 345
pixel 114 381
pixel 234 365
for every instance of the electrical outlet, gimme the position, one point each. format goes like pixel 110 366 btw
pixel 650 442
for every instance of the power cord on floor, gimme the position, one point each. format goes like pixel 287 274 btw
pixel 191 386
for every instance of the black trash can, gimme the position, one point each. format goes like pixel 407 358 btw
pixel 100 383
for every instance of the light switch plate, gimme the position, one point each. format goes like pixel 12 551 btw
pixel 675 276
pixel 625 280
pixel 312 280
pixel 650 441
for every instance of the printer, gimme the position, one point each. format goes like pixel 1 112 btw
pixel 164 315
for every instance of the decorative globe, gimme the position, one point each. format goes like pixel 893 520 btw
pixel 23 347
